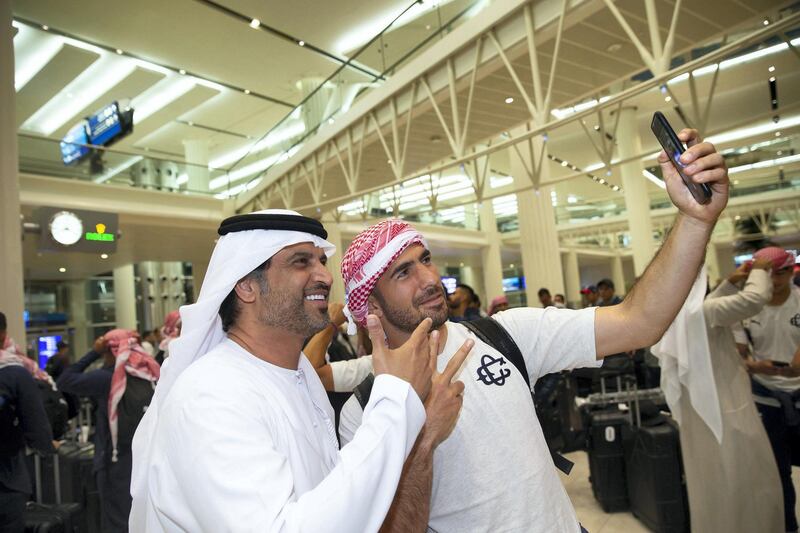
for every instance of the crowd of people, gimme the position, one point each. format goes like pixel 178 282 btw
pixel 433 428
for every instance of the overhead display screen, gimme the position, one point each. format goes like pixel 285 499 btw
pixel 105 125
pixel 73 145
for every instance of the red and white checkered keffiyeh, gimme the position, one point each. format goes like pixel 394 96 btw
pixel 131 359
pixel 171 329
pixel 11 354
pixel 780 258
pixel 367 258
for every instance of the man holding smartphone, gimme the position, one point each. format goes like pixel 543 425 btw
pixel 494 472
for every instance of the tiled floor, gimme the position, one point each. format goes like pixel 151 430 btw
pixel 593 518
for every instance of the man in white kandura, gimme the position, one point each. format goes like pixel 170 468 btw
pixel 239 436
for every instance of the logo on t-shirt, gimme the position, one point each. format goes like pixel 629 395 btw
pixel 795 320
pixel 486 373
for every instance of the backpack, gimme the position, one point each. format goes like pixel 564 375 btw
pixel 492 333
pixel 55 407
pixel 13 440
pixel 130 410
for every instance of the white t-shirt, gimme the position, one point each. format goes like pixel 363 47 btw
pixel 244 445
pixel 776 335
pixel 494 472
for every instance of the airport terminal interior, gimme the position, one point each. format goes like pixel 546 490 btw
pixel 515 135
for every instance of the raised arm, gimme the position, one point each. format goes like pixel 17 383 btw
pixel 732 308
pixel 651 306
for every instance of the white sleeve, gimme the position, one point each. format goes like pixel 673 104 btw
pixel 347 375
pixel 723 308
pixel 349 420
pixel 552 339
pixel 739 335
pixel 233 478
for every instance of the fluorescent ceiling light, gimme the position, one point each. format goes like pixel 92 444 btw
pixel 654 179
pixel 90 85
pixel 160 95
pixel 765 164
pixel 33 49
pixel 752 131
pixel 285 133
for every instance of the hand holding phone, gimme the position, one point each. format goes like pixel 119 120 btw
pixel 674 148
pixel 780 364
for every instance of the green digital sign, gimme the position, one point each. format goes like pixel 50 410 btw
pixel 100 234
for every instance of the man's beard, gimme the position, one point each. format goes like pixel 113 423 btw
pixel 409 318
pixel 282 308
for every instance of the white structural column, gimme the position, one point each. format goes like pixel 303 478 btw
pixel 618 275
pixel 541 259
pixel 491 258
pixel 77 317
pixel 637 201
pixel 12 295
pixel 125 297
pixel 712 265
pixel 196 155
pixel 335 262
pixel 572 279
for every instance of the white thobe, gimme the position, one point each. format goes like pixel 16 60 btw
pixel 733 486
pixel 244 445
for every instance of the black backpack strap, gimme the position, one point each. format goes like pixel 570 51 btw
pixel 495 335
pixel 363 390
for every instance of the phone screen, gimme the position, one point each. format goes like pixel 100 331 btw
pixel 780 363
pixel 674 148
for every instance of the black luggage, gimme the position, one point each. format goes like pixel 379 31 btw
pixel 607 457
pixel 654 473
pixel 52 518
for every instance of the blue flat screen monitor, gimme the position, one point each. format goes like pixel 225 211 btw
pixel 516 283
pixel 73 145
pixel 105 125
pixel 48 346
pixel 449 283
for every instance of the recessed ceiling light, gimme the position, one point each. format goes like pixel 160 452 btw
pixel 597 127
pixel 461 264
pixel 427 26
pixel 119 51
pixel 780 152
pixel 255 23
pixel 190 123
pixel 772 78
pixel 103 256
pixel 62 269
pixel 247 91
pixel 772 68
pixel 777 134
pixel 737 217
pixel 182 71
pixel 766 22
pixel 668 99
pixel 45 27
pixel 564 163
pixel 509 100
pixel 736 182
pixel 511 265
pixel 301 43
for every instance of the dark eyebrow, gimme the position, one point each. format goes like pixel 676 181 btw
pixel 401 266
pixel 300 255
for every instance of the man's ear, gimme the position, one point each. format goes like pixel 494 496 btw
pixel 374 306
pixel 246 289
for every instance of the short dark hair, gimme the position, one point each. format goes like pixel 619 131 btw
pixel 3 323
pixel 605 283
pixel 543 291
pixel 229 309
pixel 467 288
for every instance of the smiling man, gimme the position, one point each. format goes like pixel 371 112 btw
pixel 494 472
pixel 240 436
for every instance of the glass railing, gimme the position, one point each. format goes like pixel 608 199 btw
pixel 42 156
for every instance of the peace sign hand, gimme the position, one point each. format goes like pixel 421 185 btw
pixel 410 362
pixel 444 402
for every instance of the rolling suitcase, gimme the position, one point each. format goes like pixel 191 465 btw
pixel 604 446
pixel 52 518
pixel 654 473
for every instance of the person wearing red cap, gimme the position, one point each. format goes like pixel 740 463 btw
pixel 775 337
pixel 495 472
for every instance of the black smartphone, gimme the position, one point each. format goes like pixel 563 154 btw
pixel 780 363
pixel 674 147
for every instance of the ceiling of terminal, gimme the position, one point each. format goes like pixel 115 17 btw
pixel 197 70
